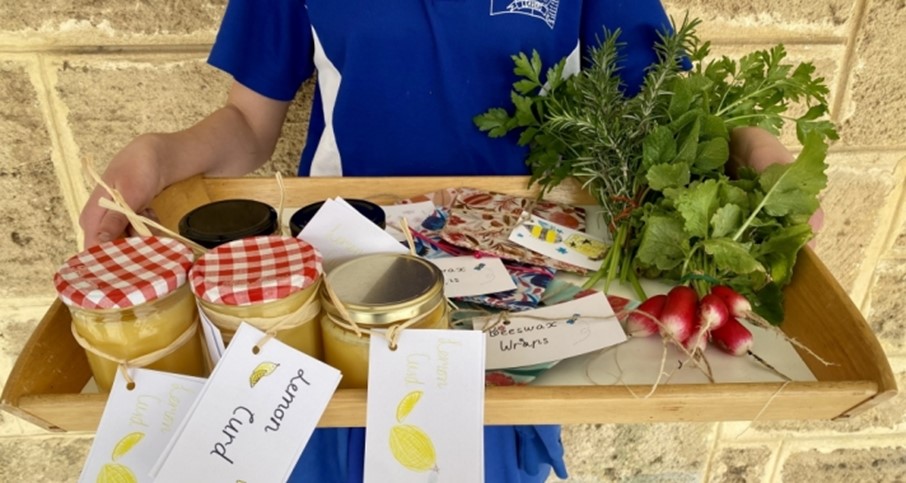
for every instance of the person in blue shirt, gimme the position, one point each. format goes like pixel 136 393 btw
pixel 398 84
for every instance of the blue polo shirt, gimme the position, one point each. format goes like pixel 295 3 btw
pixel 398 85
pixel 400 81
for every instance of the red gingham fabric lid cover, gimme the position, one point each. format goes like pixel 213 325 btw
pixel 255 270
pixel 123 273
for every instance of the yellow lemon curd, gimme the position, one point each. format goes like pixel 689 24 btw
pixel 139 330
pixel 305 337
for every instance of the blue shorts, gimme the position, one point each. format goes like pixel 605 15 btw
pixel 512 454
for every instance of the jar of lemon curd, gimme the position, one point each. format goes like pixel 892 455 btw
pixel 377 292
pixel 269 282
pixel 129 299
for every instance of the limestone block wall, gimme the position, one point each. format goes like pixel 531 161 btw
pixel 80 78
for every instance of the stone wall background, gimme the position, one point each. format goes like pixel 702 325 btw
pixel 80 78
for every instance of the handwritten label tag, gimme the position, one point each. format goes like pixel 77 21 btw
pixel 137 424
pixel 552 333
pixel 425 410
pixel 414 213
pixel 560 243
pixel 466 276
pixel 253 417
pixel 341 233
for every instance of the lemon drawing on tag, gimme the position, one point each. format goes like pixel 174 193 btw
pixel 126 444
pixel 116 473
pixel 412 448
pixel 406 404
pixel 263 369
pixel 593 249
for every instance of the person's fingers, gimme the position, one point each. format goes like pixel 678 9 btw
pixel 99 224
pixel 149 214
pixel 90 220
pixel 112 225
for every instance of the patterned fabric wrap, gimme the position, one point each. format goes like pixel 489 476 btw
pixel 123 273
pixel 482 221
pixel 255 270
pixel 531 280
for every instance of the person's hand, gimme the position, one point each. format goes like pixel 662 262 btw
pixel 136 173
pixel 758 149
pixel 232 141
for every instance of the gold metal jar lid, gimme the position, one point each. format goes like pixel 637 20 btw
pixel 384 288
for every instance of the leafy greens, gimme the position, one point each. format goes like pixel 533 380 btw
pixel 657 162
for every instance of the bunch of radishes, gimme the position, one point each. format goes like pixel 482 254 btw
pixel 681 317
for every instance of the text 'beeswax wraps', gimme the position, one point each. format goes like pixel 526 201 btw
pixel 254 416
pixel 138 422
pixel 425 411
pixel 551 333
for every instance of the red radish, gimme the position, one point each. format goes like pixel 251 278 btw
pixel 713 312
pixel 733 337
pixel 680 309
pixel 698 341
pixel 738 305
pixel 741 308
pixel 642 321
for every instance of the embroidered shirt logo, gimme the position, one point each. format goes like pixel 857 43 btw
pixel 544 10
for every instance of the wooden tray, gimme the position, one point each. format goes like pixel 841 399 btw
pixel 46 383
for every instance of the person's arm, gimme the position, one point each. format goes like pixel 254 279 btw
pixel 232 141
pixel 758 149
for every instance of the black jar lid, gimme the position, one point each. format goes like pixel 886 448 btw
pixel 223 221
pixel 368 209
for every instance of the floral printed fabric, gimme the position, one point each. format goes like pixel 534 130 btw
pixel 482 221
pixel 531 281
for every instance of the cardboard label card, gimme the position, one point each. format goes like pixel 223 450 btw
pixel 467 275
pixel 137 424
pixel 253 417
pixel 552 333
pixel 560 243
pixel 414 213
pixel 425 413
pixel 212 337
pixel 341 233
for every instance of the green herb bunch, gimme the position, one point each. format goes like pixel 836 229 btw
pixel 656 162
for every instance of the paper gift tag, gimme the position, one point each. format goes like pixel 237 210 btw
pixel 213 338
pixel 254 416
pixel 341 233
pixel 414 213
pixel 560 243
pixel 466 276
pixel 137 424
pixel 552 333
pixel 425 411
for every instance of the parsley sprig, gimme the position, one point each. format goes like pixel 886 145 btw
pixel 656 162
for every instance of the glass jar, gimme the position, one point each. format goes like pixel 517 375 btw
pixel 129 298
pixel 377 292
pixel 269 282
pixel 366 208
pixel 220 222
